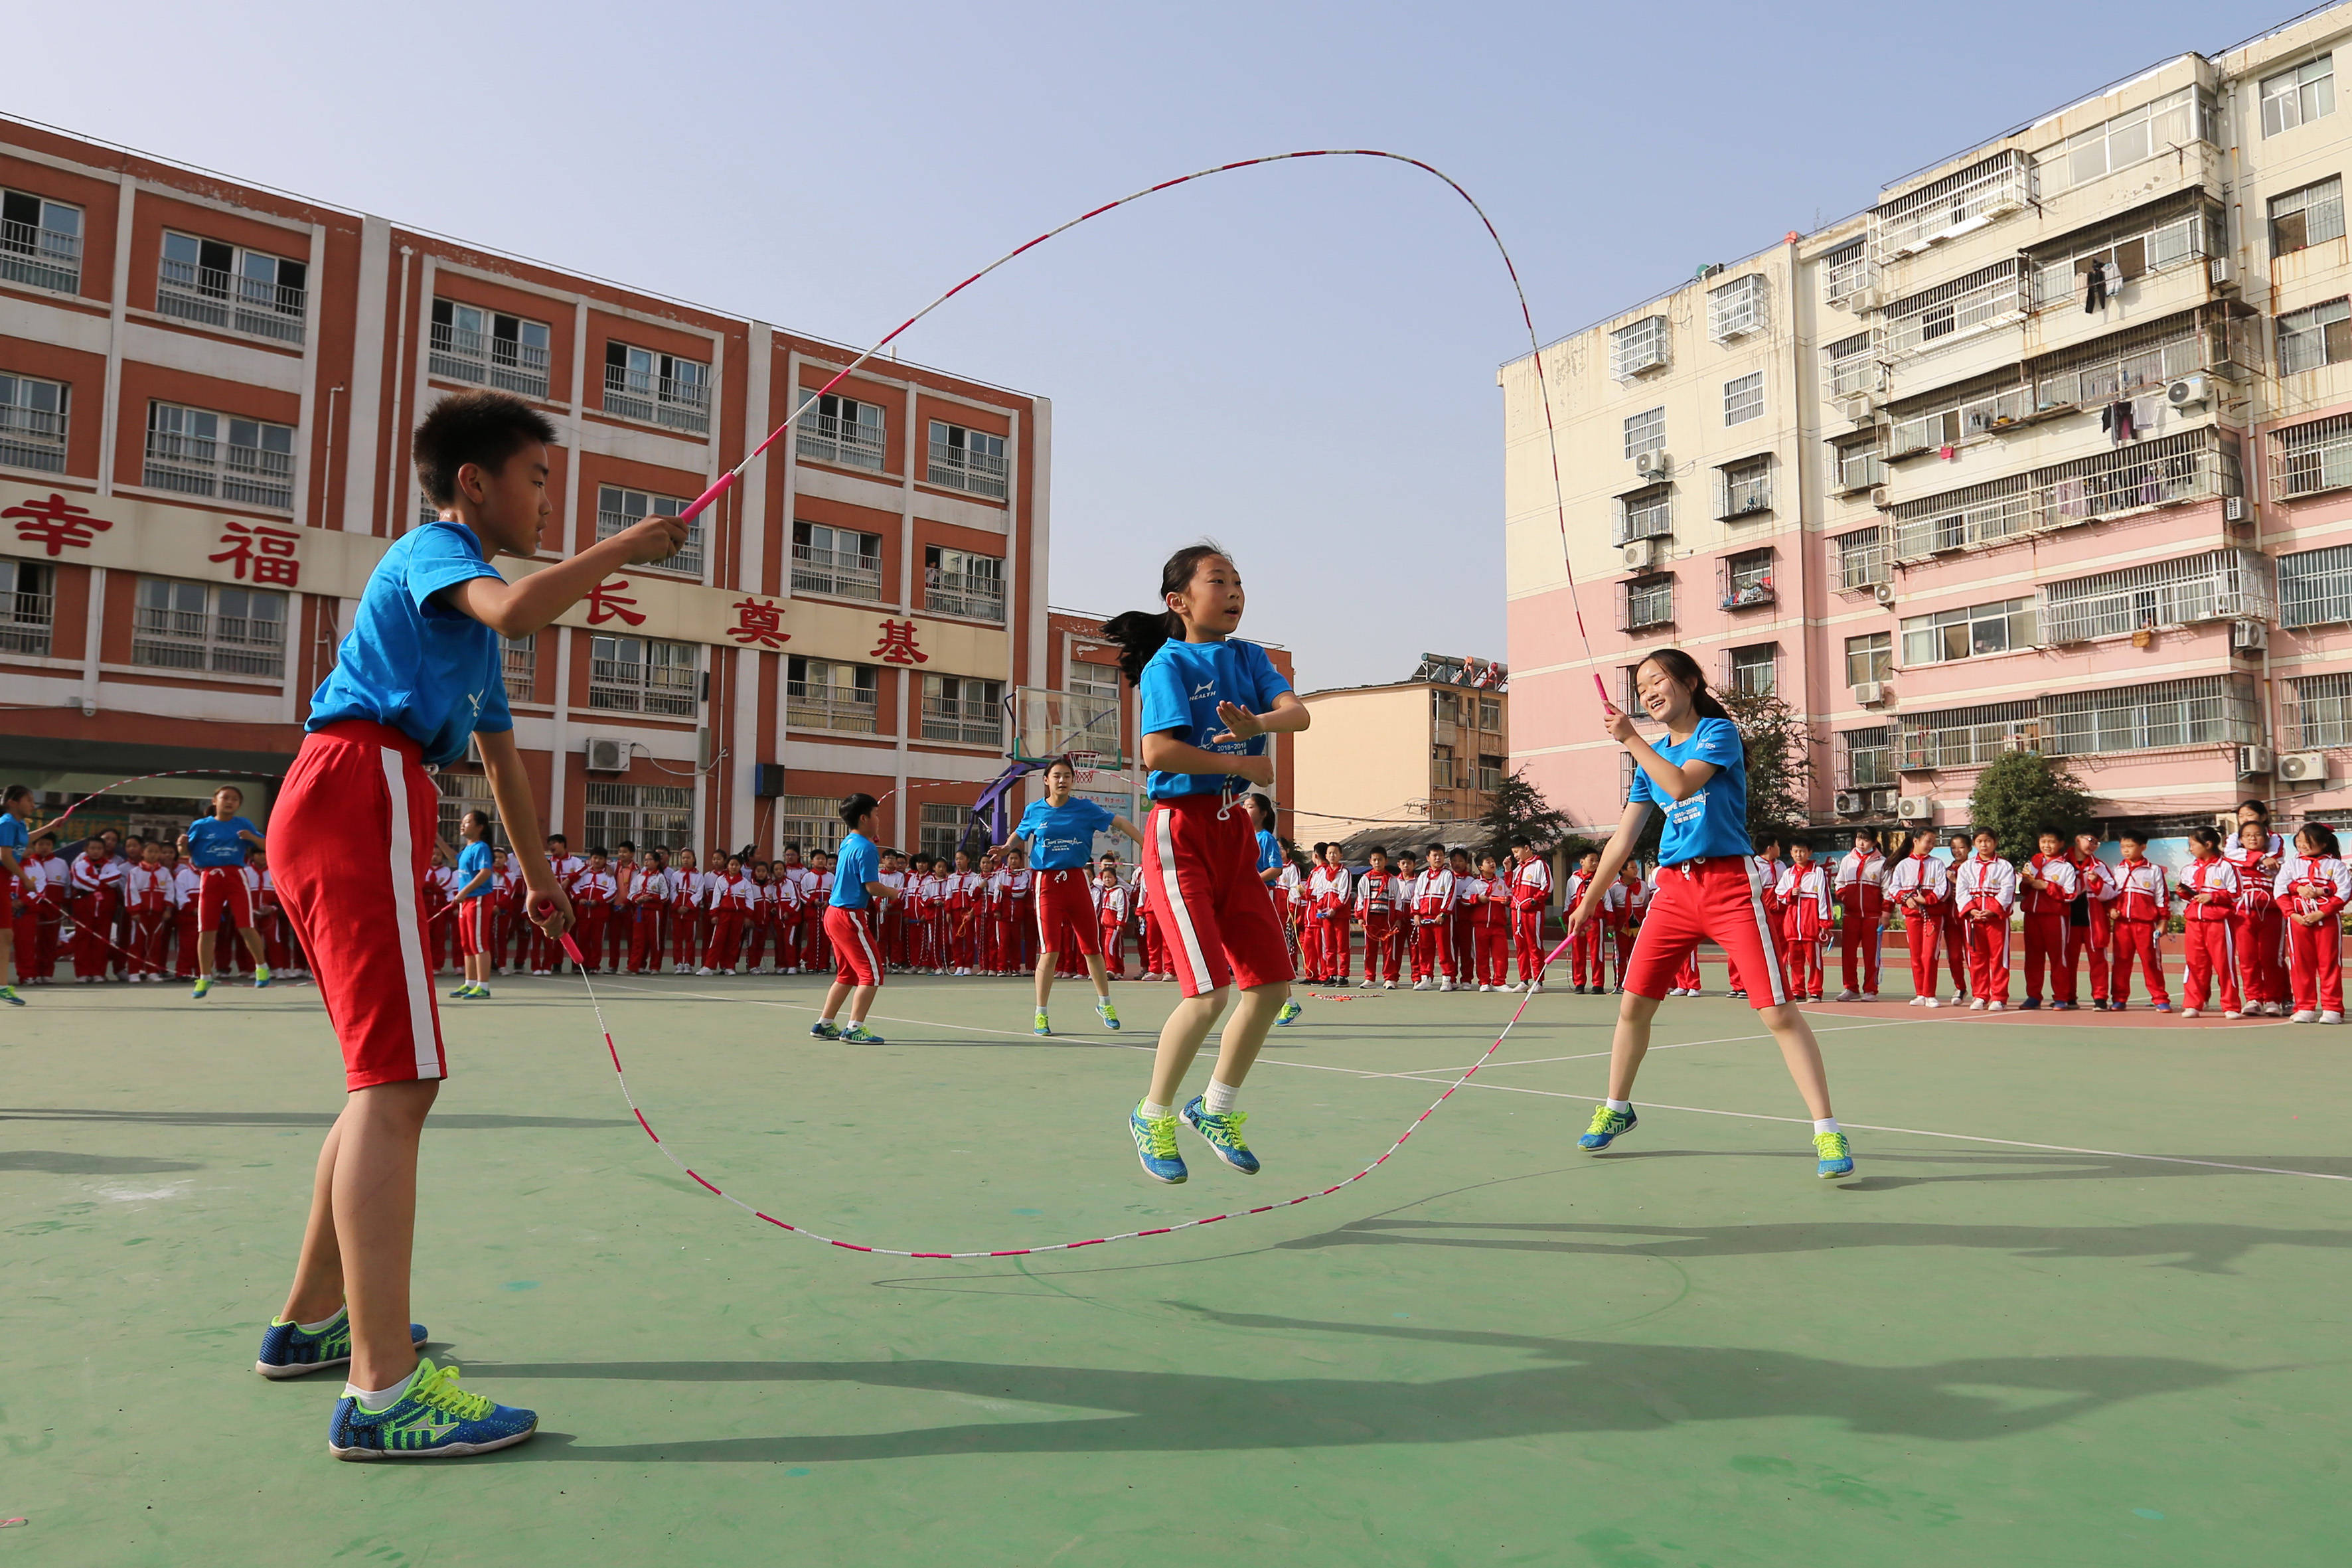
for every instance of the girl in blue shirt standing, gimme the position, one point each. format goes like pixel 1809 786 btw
pixel 1708 890
pixel 1209 701
pixel 1060 833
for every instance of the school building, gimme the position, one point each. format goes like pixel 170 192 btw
pixel 2049 449
pixel 1425 752
pixel 206 394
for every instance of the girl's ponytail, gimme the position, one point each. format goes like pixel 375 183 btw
pixel 1140 633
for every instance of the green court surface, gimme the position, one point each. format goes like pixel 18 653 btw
pixel 2085 1303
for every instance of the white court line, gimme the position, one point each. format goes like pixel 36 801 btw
pixel 811 1007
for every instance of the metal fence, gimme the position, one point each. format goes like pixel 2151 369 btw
pixel 1866 758
pixel 1865 557
pixel 2311 457
pixel 681 405
pixel 851 443
pixel 836 572
pixel 819 705
pixel 965 593
pixel 2219 585
pixel 32 439
pixel 2314 587
pixel 2318 713
pixel 463 354
pixel 1950 309
pixel 643 677
pixel 211 297
pixel 2168 471
pixel 2002 183
pixel 963 469
pixel 42 257
pixel 2214 710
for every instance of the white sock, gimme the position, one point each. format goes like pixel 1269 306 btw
pixel 1153 1112
pixel 1826 1124
pixel 1220 1097
pixel 1621 1106
pixel 380 1398
pixel 324 1323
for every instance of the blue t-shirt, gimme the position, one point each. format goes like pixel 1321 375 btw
pixel 13 836
pixel 425 670
pixel 473 857
pixel 858 862
pixel 1063 839
pixel 1181 687
pixel 1269 851
pixel 1714 821
pixel 212 842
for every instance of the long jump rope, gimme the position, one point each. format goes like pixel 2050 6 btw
pixel 732 475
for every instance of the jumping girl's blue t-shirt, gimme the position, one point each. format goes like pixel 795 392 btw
pixel 473 857
pixel 1714 821
pixel 1181 687
pixel 212 842
pixel 1269 851
pixel 858 862
pixel 411 662
pixel 12 835
pixel 1061 838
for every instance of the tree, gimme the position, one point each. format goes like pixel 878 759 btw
pixel 1780 761
pixel 2021 794
pixel 1520 811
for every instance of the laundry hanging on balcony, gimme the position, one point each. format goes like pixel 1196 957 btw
pixel 2102 281
pixel 2116 419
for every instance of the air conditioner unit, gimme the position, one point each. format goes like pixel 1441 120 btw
pixel 2302 767
pixel 1915 809
pixel 2234 509
pixel 1857 407
pixel 2253 760
pixel 1878 495
pixel 1869 693
pixel 1653 465
pixel 1853 802
pixel 606 754
pixel 1866 298
pixel 1641 555
pixel 2249 636
pixel 2189 391
pixel 1883 592
pixel 2223 272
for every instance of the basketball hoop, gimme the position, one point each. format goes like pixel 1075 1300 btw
pixel 1082 765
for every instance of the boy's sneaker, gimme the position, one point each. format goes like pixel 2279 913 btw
pixel 462 993
pixel 203 983
pixel 1290 1011
pixel 9 994
pixel 824 1029
pixel 2188 1011
pixel 1108 1014
pixel 260 976
pixel 2331 1018
pixel 288 1352
pixel 1836 1155
pixel 859 1035
pixel 1995 1007
pixel 1978 1005
pixel 1421 985
pixel 1849 994
pixel 2164 1007
pixel 432 1419
pixel 1223 1131
pixel 1535 987
pixel 1608 1126
pixel 1041 1026
pixel 1155 1145
pixel 2304 1015
pixel 2031 1005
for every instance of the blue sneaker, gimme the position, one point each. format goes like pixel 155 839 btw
pixel 288 1352
pixel 432 1419
pixel 1155 1145
pixel 203 983
pixel 859 1035
pixel 1836 1156
pixel 2030 1005
pixel 824 1029
pixel 1044 1025
pixel 1107 1013
pixel 1223 1131
pixel 2164 1007
pixel 9 994
pixel 1289 1014
pixel 261 977
pixel 1608 1126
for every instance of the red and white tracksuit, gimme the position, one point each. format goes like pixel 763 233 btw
pixel 592 909
pixel 1804 895
pixel 1862 905
pixel 2209 892
pixel 1110 926
pixel 2259 931
pixel 187 887
pixel 2315 962
pixel 2046 912
pixel 1985 891
pixel 2091 941
pixel 1152 936
pixel 733 899
pixel 1462 927
pixel 1587 963
pixel 147 893
pixel 1376 906
pixel 1433 897
pixel 1330 901
pixel 1920 886
pixel 2143 902
pixel 1493 931
pixel 1776 913
pixel 1620 909
pixel 93 916
pixel 648 901
pixel 1530 894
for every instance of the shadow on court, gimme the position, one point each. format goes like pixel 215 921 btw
pixel 473 1121
pixel 59 1162
pixel 2038 1166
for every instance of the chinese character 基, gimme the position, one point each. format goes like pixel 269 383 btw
pixel 759 621
pixel 262 553
pixel 898 644
pixel 55 523
pixel 606 602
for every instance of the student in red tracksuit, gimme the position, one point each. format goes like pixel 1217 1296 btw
pixel 1775 914
pixel 187 886
pixel 1530 876
pixel 1861 915
pixel 1332 899
pixel 1021 891
pixel 1110 920
pixel 1434 895
pixel 2312 889
pixel 592 891
pixel 1956 926
pixel 648 902
pixel 1805 893
pixel 1459 925
pixel 2209 896
pixel 689 901
pixel 2275 852
pixel 963 914
pixel 147 894
pixel 732 896
pixel 816 941
pixel 86 881
pixel 1376 909
pixel 1985 891
pixel 2046 886
pixel 2089 939
pixel 268 914
pixel 1494 926
pixel 2257 930
pixel 1919 887
pixel 1587 963
pixel 2143 903
pixel 1620 908
pixel 438 929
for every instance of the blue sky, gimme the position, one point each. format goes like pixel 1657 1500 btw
pixel 1297 361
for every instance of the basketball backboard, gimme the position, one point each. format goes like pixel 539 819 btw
pixel 1046 724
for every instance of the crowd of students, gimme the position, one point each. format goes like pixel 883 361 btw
pixel 1456 922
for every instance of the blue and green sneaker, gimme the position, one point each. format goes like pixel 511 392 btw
pixel 1837 1155
pixel 432 1419
pixel 824 1029
pixel 1042 1026
pixel 1289 1014
pixel 1155 1145
pixel 480 994
pixel 1107 1014
pixel 859 1035
pixel 203 983
pixel 1608 1126
pixel 261 977
pixel 1223 1131
pixel 9 994
pixel 288 1352
pixel 463 993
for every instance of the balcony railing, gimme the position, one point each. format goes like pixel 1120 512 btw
pixel 2219 585
pixel 461 353
pixel 2316 586
pixel 1857 370
pixel 626 686
pixel 961 469
pixel 2308 458
pixel 963 593
pixel 1925 320
pixel 1973 196
pixel 32 439
pixel 26 620
pixel 827 440
pixel 658 400
pixel 2168 471
pixel 964 722
pixel 192 465
pixel 836 572
pixel 193 640
pixel 688 557
pixel 2205 711
pixel 812 706
pixel 1743 585
pixel 40 257
pixel 211 298
pixel 1869 766
pixel 1846 271
pixel 1866 563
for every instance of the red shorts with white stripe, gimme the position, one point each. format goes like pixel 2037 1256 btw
pixel 1719 900
pixel 352 838
pixel 223 892
pixel 856 961
pixel 1067 921
pixel 474 917
pixel 1199 859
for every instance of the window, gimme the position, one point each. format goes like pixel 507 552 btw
pixel 1646 514
pixel 642 674
pixel 1638 348
pixel 1647 602
pixel 1744 489
pixel 2174 121
pixel 809 821
pixel 27 606
pixel 488 347
pixel 1962 417
pixel 1442 708
pixel 1870 656
pixel 1851 365
pixel 1987 295
pixel 1646 433
pixel 1753 668
pixel 462 793
pixel 2311 457
pixel 215 284
pixel 824 694
pixel 1866 757
pixel 1099 681
pixel 960 583
pixel 1973 633
pixel 1864 558
pixel 618 508
pixel 967 712
pixel 1859 465
pixel 1962 199
pixel 2308 216
pixel 965 460
pixel 33 422
pixel 1490 714
pixel 2119 366
pixel 651 817
pixel 185 452
pixel 2322 707
pixel 179 625
pixel 2316 587
pixel 1846 270
pixel 1745 579
pixel 2135 246
pixel 2309 339
pixel 2219 584
pixel 2299 96
pixel 838 561
pixel 943 828
pixel 2164 470
pixel 1629 688
pixel 659 388
pixel 1736 309
pixel 2213 710
pixel 1490 771
pixel 1743 399
pixel 40 242
pixel 1441 767
pixel 838 429
pixel 519 665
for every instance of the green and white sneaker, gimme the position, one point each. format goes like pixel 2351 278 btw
pixel 1107 1013
pixel 1041 1026
pixel 859 1035
pixel 287 1350
pixel 1155 1145
pixel 1289 1014
pixel 9 994
pixel 1608 1126
pixel 1223 1131
pixel 1836 1156
pixel 260 976
pixel 432 1419
pixel 824 1029
pixel 203 983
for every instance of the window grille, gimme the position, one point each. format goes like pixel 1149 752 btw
pixel 1964 737
pixel 186 453
pixel 959 709
pixel 942 828
pixel 180 624
pixel 1753 670
pixel 2319 712
pixel 2002 182
pixel 659 388
pixel 1646 514
pixel 2127 365
pixel 1866 758
pixel 2197 465
pixel 1640 347
pixel 1870 656
pixel 2320 335
pixel 226 286
pixel 2308 216
pixel 28 607
pixel 33 422
pixel 1743 398
pixel 2314 587
pixel 1846 270
pixel 2189 230
pixel 462 793
pixel 963 583
pixel 1860 465
pixel 489 348
pixel 824 694
pixel 1864 558
pixel 1646 602
pixel 1744 488
pixel 1988 294
pixel 842 561
pixel 653 816
pixel 40 242
pixel 2213 710
pixel 519 667
pixel 1978 631
pixel 838 429
pixel 969 460
pixel 809 821
pixel 1744 582
pixel 1645 432
pixel 618 508
pixel 2297 96
pixel 1735 307
pixel 1950 418
pixel 642 675
pixel 2219 585
pixel 1850 366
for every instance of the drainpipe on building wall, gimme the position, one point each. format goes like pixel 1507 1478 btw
pixel 2250 466
pixel 1799 403
pixel 399 370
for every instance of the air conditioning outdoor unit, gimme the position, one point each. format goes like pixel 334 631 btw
pixel 1855 406
pixel 2224 275
pixel 1866 298
pixel 1883 592
pixel 1653 465
pixel 1853 802
pixel 1878 495
pixel 606 754
pixel 1641 555
pixel 2234 509
pixel 1915 808
pixel 2253 760
pixel 2249 636
pixel 2302 767
pixel 2189 391
pixel 1869 693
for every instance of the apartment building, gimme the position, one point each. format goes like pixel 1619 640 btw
pixel 1433 749
pixel 2049 449
pixel 206 394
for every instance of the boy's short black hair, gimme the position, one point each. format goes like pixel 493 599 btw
pixel 628 844
pixel 482 427
pixel 1522 844
pixel 559 838
pixel 2132 835
pixel 855 806
pixel 1435 849
pixel 1379 849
